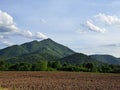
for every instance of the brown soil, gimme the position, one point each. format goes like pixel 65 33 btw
pixel 59 81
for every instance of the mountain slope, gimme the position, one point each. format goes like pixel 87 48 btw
pixel 32 58
pixel 48 46
pixel 45 46
pixel 79 58
pixel 13 51
pixel 106 59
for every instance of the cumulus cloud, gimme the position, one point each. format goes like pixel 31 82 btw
pixel 6 23
pixel 101 20
pixel 94 28
pixel 29 34
pixel 108 19
pixel 8 27
pixel 40 35
pixel 6 43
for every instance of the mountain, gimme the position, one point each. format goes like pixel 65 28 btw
pixel 14 50
pixel 37 47
pixel 79 58
pixel 106 59
pixel 31 58
pixel 48 49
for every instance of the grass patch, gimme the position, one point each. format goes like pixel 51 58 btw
pixel 3 88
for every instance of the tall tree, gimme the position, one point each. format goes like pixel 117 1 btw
pixel 40 66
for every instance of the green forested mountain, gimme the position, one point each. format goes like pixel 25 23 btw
pixel 45 46
pixel 47 55
pixel 79 58
pixel 48 46
pixel 106 59
pixel 50 50
pixel 15 50
pixel 32 58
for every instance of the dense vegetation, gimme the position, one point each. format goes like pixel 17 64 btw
pixel 57 66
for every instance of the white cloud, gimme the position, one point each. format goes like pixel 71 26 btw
pixel 6 43
pixel 30 35
pixel 39 35
pixel 101 20
pixel 94 28
pixel 108 19
pixel 26 34
pixel 8 28
pixel 6 23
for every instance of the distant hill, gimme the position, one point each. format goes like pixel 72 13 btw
pixel 79 58
pixel 106 59
pixel 45 46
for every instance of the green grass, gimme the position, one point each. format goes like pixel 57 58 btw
pixel 3 88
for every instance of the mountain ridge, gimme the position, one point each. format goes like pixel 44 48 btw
pixel 44 46
pixel 79 58
pixel 49 49
pixel 106 58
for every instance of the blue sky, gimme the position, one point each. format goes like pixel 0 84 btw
pixel 86 26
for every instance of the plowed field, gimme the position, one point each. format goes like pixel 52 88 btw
pixel 59 81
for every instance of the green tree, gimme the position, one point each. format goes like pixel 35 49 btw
pixel 55 64
pixel 20 66
pixel 105 68
pixel 24 66
pixel 2 65
pixel 89 66
pixel 14 67
pixel 40 66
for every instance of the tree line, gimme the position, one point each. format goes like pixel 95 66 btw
pixel 58 66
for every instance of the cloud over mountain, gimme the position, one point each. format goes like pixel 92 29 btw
pixel 9 28
pixel 6 43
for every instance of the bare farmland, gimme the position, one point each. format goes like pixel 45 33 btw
pixel 59 81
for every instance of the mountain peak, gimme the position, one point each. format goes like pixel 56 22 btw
pixel 44 46
pixel 47 40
